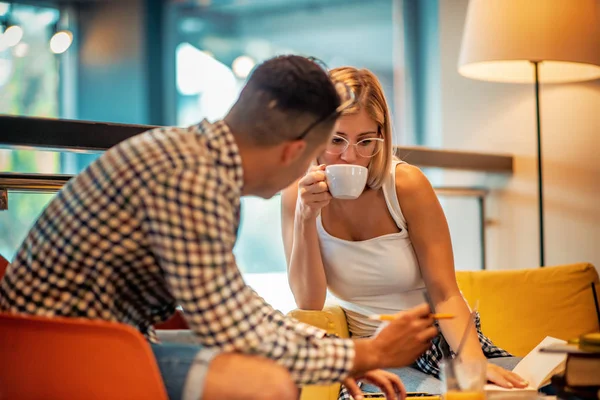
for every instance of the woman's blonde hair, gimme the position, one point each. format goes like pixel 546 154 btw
pixel 369 96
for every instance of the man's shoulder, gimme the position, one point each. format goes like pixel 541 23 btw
pixel 167 149
pixel 164 139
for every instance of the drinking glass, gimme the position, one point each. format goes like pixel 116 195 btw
pixel 463 379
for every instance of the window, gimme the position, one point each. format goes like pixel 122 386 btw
pixel 24 208
pixel 28 69
pixel 217 47
pixel 29 86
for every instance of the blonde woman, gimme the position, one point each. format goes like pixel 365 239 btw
pixel 379 253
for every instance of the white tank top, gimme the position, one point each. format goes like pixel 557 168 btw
pixel 375 276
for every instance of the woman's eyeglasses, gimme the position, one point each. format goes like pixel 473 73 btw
pixel 367 147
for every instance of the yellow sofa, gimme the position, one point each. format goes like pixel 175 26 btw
pixel 518 309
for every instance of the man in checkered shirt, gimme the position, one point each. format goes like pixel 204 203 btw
pixel 152 224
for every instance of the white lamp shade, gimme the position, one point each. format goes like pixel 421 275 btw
pixel 502 37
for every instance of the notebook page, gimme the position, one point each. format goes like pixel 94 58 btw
pixel 537 367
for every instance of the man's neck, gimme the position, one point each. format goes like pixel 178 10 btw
pixel 256 164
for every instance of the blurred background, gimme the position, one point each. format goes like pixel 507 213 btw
pixel 177 62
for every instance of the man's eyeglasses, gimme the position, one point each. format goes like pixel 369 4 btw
pixel 346 96
pixel 367 147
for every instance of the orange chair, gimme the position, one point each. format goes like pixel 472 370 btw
pixel 177 321
pixel 3 266
pixel 68 358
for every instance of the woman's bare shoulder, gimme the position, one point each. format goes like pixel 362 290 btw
pixel 410 178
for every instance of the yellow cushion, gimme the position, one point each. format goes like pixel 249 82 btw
pixel 333 320
pixel 520 307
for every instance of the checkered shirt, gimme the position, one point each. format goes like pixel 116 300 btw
pixel 151 225
pixel 429 362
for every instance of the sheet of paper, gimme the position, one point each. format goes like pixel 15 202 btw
pixel 537 367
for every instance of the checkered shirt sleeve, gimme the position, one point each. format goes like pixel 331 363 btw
pixel 191 219
pixel 429 362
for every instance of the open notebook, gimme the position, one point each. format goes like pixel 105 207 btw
pixel 537 367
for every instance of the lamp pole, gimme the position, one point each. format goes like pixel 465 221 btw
pixel 539 160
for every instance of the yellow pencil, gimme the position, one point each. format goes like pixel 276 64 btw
pixel 391 317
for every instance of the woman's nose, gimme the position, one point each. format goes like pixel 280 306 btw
pixel 349 154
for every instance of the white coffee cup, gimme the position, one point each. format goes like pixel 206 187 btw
pixel 346 181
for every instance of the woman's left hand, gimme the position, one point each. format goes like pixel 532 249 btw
pixel 504 378
pixel 389 384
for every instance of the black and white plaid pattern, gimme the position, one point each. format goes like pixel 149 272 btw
pixel 151 225
pixel 429 362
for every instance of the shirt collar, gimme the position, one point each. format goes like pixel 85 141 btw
pixel 222 142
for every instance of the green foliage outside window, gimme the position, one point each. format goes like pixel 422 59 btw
pixel 29 81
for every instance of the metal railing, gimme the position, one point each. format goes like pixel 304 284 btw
pixel 51 183
pixel 46 183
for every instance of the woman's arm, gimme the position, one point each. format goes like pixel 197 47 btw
pixel 306 274
pixel 430 237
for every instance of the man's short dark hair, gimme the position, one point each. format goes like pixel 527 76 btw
pixel 282 97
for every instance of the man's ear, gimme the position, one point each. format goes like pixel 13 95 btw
pixel 292 151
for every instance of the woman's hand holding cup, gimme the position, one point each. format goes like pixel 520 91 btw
pixel 313 192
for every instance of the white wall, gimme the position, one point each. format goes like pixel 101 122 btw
pixel 496 117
